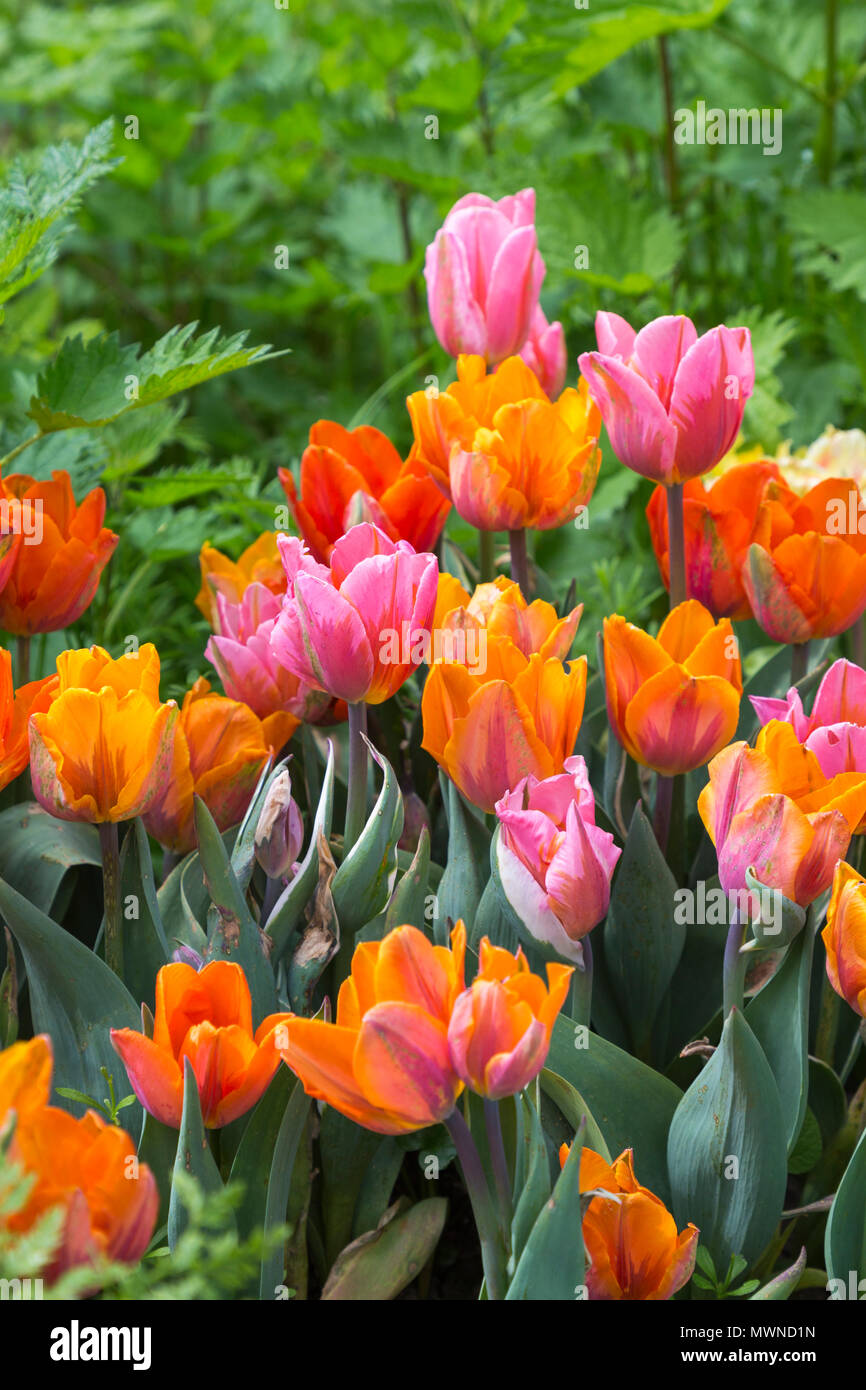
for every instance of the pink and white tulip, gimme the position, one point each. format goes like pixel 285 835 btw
pixel 672 402
pixel 555 864
pixel 242 654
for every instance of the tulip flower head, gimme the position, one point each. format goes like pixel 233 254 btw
pixel 630 1236
pixel 484 273
pixel 499 1032
pixel 340 626
pixel 16 707
pixel 554 862
pixel 86 1168
pixel 835 731
pixel 350 476
pixel 545 354
pixel 844 937
pixel 672 402
pixel 674 699
pixel 204 1015
pixel 259 564
pixel 280 829
pixel 385 1062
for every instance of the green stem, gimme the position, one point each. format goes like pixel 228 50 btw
pixel 828 1023
pixel 799 661
pixel 19 449
pixel 22 660
pixel 486 562
pixel 827 138
pixel 580 1001
pixel 356 801
pixel 519 560
pixel 671 173
pixel 492 1249
pixel 853 1054
pixel 499 1164
pixel 858 642
pixel 676 545
pixel 734 969
pixel 108 843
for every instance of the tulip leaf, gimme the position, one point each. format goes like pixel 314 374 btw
pixel 532 1177
pixel 235 936
pixel 845 1236
pixel 631 1103
pixel 37 851
pixel 243 857
pixel 193 1156
pixel 381 1263
pixel 377 1185
pixel 408 905
pixel 575 1110
pixel 772 935
pixel 158 1149
pixel 643 940
pixel 727 1150
pixel 251 1165
pixel 288 910
pixel 827 1099
pixel 183 903
pixel 468 866
pixel 346 1152
pixel 495 917
pixel 74 998
pixel 285 1151
pixel 365 879
pixel 145 948
pixel 780 1289
pixel 779 1018
pixel 552 1265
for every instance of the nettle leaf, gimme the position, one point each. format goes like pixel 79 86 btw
pixel 93 382
pixel 39 195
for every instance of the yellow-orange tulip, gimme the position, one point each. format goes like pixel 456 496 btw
pixel 673 700
pixel 219 749
pixel 259 564
pixel 16 707
pixel 86 1168
pixel 500 1027
pixel 385 1062
pixel 207 1017
pixel 844 936
pixel 102 748
pixel 631 1238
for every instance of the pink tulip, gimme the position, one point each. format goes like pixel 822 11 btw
pixel 555 863
pixel 544 353
pixel 835 731
pixel 361 627
pixel 484 273
pixel 242 654
pixel 672 402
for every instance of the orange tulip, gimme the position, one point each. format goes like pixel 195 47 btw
pixel 56 569
pixel 16 707
pixel 719 515
pixel 499 704
pixel 101 750
pixel 207 1017
pixel 844 936
pixel 673 700
pixel 349 476
pixel 500 1027
pixel 805 571
pixel 385 1063
pixel 85 1167
pixel 259 564
pixel 219 749
pixel 507 456
pixel 630 1237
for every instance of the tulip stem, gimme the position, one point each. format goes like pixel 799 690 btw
pixel 676 545
pixel 799 661
pixel 108 843
pixel 22 662
pixel 492 1249
pixel 580 999
pixel 499 1164
pixel 853 1054
pixel 519 560
pixel 356 798
pixel 828 1023
pixel 734 969
pixel 486 561
pixel 858 642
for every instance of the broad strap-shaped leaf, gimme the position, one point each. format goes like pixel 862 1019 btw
pixel 779 1018
pixel 379 1265
pixel 37 851
pixel 193 1156
pixel 845 1236
pixel 552 1265
pixel 365 879
pixel 289 907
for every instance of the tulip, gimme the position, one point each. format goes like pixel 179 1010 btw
pixel 835 453
pixel 631 1238
pixel 554 862
pixel 500 1028
pixel 500 611
pixel 507 456
pixel 280 829
pixel 56 569
pixel 350 476
pixel 242 654
pixel 844 936
pixel 16 707
pixel 101 750
pixel 805 571
pixel 719 520
pixel 770 808
pixel 204 1015
pixel 385 1062
pixel 672 402
pixel 673 700
pixel 484 274
pixel 87 1169
pixel 544 353
pixel 258 564
pixel 219 749
pixel 341 629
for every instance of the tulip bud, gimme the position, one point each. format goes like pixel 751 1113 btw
pixel 280 831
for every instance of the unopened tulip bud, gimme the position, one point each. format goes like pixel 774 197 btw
pixel 280 831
